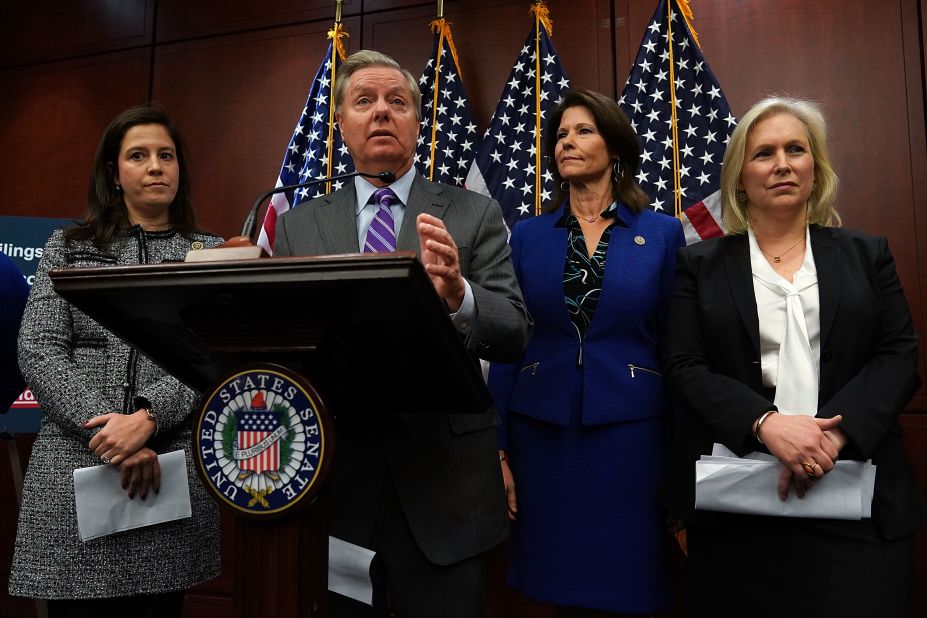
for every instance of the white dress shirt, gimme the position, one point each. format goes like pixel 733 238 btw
pixel 790 330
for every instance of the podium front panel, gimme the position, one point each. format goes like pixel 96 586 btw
pixel 358 325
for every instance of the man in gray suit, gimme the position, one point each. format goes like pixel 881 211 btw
pixel 424 491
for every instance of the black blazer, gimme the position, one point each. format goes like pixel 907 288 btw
pixel 868 364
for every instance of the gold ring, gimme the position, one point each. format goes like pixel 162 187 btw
pixel 809 468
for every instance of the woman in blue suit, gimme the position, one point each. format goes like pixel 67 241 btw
pixel 584 419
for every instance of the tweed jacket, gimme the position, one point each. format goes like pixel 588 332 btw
pixel 78 370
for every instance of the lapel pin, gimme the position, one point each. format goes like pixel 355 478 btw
pixel 197 244
pixel 639 240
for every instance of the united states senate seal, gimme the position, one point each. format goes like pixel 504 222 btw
pixel 262 441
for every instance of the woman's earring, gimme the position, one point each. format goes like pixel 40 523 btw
pixel 118 187
pixel 564 186
pixel 617 172
pixel 741 196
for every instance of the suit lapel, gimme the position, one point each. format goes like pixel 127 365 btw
pixel 617 269
pixel 424 196
pixel 740 281
pixel 827 263
pixel 336 221
pixel 543 268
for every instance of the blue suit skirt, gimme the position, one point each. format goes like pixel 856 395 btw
pixel 589 532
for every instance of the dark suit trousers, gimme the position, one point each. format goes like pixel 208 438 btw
pixel 781 567
pixel 404 581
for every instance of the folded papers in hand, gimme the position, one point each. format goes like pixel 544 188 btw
pixel 732 484
pixel 104 507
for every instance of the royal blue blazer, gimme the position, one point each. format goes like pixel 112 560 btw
pixel 619 356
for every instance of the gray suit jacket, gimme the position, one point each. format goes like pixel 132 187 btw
pixel 444 466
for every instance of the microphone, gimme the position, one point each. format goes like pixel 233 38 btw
pixel 247 231
pixel 243 247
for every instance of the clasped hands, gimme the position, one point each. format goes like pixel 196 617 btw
pixel 441 260
pixel 806 447
pixel 121 443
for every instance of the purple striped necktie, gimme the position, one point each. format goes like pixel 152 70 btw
pixel 381 235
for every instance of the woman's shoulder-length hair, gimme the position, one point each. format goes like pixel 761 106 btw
pixel 620 139
pixel 821 209
pixel 106 213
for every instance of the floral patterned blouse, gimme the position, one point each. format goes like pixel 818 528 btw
pixel 582 274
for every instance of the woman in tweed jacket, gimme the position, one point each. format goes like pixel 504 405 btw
pixel 105 402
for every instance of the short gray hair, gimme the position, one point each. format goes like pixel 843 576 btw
pixel 367 58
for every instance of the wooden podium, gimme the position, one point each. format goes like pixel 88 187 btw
pixel 202 321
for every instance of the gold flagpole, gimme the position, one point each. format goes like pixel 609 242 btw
pixel 541 18
pixel 335 34
pixel 686 11
pixel 677 194
pixel 439 27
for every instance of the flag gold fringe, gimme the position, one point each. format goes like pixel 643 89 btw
pixel 542 13
pixel 442 28
pixel 687 14
pixel 335 34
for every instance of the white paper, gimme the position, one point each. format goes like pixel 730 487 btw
pixel 104 507
pixel 725 482
pixel 349 570
pixel 719 450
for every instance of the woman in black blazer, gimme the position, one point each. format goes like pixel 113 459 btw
pixel 792 336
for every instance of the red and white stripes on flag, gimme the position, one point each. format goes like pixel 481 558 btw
pixel 256 430
pixel 315 150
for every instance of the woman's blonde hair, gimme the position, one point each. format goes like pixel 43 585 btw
pixel 824 191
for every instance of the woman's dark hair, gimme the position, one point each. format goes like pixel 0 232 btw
pixel 106 210
pixel 620 139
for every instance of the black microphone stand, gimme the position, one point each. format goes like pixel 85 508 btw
pixel 250 225
pixel 243 247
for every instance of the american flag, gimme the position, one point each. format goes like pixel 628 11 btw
pixel 447 138
pixel 316 149
pixel 253 427
pixel 681 152
pixel 510 153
